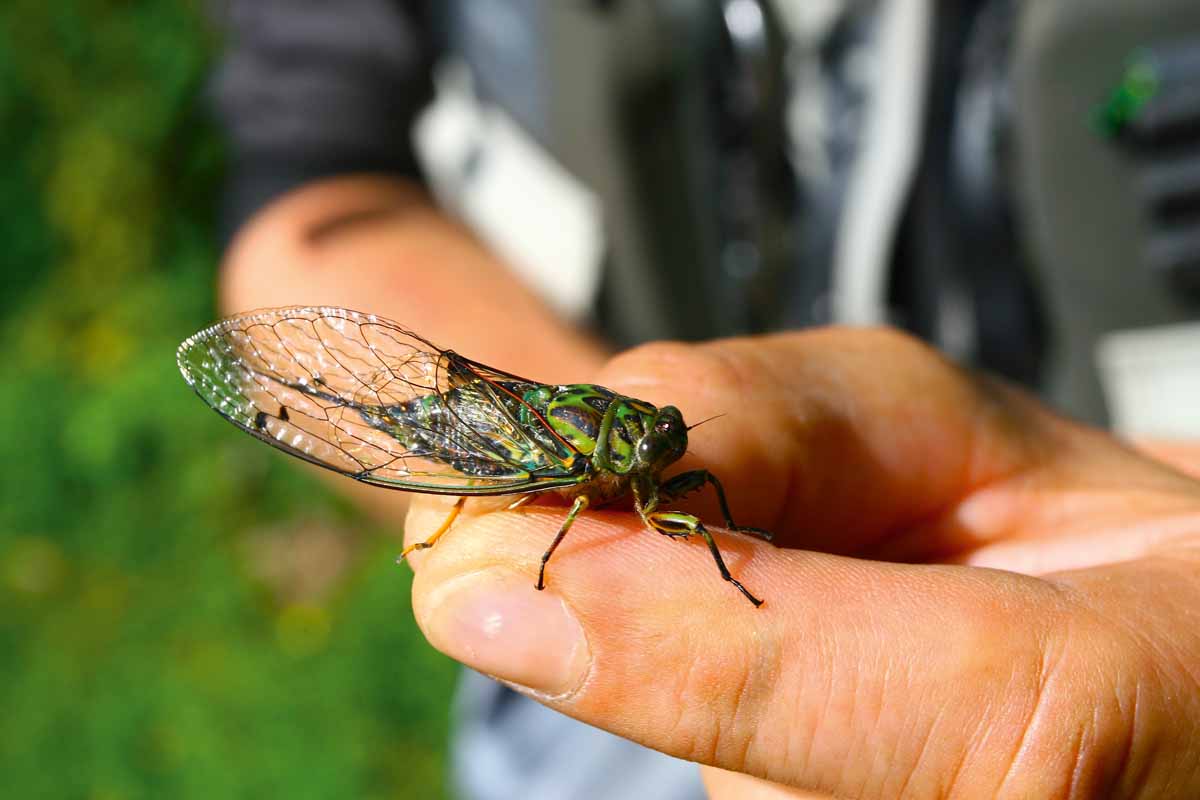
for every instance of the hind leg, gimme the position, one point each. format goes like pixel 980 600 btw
pixel 432 540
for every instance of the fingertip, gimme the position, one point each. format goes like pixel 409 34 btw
pixel 425 514
pixel 494 621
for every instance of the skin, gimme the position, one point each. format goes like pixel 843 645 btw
pixel 968 596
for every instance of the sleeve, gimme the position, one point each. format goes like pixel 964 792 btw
pixel 308 89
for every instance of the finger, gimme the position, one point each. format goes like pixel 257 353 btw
pixel 1183 455
pixel 856 678
pixel 868 442
pixel 725 785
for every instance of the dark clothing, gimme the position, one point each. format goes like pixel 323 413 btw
pixel 309 89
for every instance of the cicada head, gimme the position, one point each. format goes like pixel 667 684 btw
pixel 664 442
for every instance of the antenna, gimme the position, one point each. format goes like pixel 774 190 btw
pixel 701 422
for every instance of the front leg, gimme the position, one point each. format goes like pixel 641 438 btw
pixel 679 524
pixel 686 482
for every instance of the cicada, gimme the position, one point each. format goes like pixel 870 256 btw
pixel 360 395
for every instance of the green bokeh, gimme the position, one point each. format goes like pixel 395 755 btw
pixel 182 612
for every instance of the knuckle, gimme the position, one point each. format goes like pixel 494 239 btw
pixel 876 339
pixel 679 367
pixel 1091 711
pixel 652 362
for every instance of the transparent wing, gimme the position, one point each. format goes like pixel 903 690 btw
pixel 360 395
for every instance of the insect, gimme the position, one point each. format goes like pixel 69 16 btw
pixel 360 395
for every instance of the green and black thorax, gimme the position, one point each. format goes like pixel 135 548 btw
pixel 589 428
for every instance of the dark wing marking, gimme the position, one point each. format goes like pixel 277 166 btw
pixel 344 390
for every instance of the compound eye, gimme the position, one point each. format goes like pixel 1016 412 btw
pixel 663 426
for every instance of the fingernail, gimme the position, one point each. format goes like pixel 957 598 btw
pixel 500 625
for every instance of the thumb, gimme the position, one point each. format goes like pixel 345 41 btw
pixel 856 677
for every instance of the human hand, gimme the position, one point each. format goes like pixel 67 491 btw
pixel 967 595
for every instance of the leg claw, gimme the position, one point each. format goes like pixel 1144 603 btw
pixel 759 533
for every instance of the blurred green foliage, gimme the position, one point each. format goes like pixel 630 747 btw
pixel 182 613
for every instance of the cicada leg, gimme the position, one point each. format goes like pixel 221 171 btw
pixel 523 500
pixel 432 540
pixel 581 502
pixel 679 524
pixel 686 482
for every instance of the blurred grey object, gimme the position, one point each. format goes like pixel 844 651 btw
pixel 1086 220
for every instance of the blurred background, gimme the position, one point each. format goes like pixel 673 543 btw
pixel 182 613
